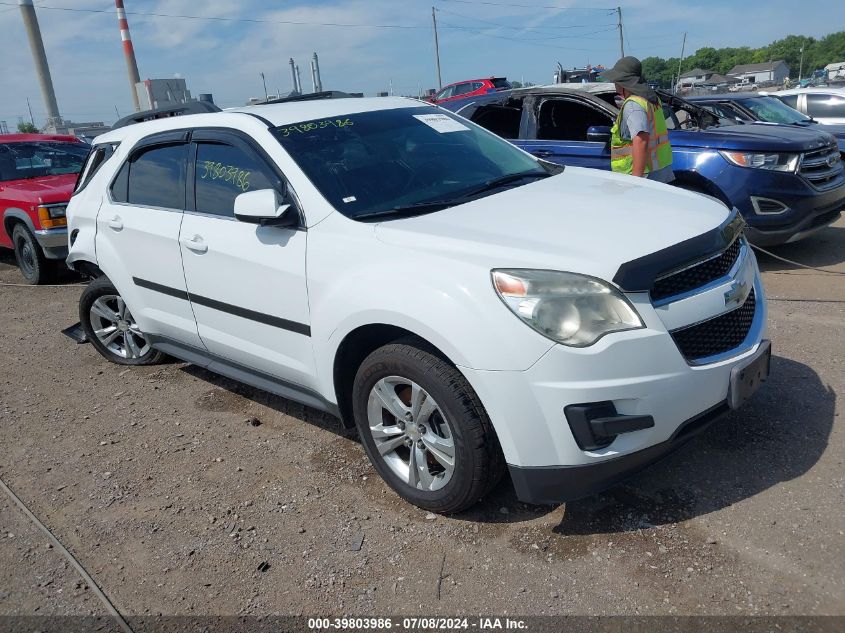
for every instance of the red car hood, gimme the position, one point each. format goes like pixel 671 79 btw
pixel 46 189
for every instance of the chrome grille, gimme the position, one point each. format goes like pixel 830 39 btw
pixel 822 167
pixel 698 275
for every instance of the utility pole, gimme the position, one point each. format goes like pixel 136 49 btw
pixel 436 49
pixel 31 118
pixel 681 61
pixel 621 40
pixel 801 65
pixel 265 87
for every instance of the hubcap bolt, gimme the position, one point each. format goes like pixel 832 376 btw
pixel 408 416
pixel 401 425
pixel 421 429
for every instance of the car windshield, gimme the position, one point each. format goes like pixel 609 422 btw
pixel 40 158
pixel 404 160
pixel 773 110
pixel 501 83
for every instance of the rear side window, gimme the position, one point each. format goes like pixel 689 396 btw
pixel 98 155
pixel 502 84
pixel 157 177
pixel 223 172
pixel 825 105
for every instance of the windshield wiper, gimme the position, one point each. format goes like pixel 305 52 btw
pixel 504 180
pixel 418 208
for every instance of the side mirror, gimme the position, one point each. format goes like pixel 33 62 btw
pixel 263 207
pixel 598 134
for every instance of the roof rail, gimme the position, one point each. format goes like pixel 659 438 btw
pixel 191 107
pixel 313 96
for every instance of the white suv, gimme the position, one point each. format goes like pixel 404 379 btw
pixel 468 307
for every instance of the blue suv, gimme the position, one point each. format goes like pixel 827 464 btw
pixel 787 182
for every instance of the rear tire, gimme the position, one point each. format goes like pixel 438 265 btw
pixel 424 428
pixel 34 266
pixel 111 328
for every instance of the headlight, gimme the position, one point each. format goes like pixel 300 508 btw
pixel 52 216
pixel 774 162
pixel 571 309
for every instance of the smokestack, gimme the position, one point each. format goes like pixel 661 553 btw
pixel 293 74
pixel 128 51
pixel 298 80
pixel 313 76
pixel 315 65
pixel 33 32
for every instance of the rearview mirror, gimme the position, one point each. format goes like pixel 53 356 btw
pixel 263 207
pixel 598 134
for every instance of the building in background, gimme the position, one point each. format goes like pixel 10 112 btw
pixel 159 93
pixel 775 71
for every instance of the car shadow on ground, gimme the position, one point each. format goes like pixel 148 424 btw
pixel 777 436
pixel 825 248
pixel 11 274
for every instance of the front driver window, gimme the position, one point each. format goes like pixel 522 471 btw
pixel 223 172
pixel 568 120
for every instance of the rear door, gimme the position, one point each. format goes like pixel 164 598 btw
pixel 246 282
pixel 138 237
pixel 557 131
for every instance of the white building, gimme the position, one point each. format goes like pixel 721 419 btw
pixel 157 93
pixel 775 71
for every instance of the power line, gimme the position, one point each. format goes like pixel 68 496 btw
pixel 171 16
pixel 520 40
pixel 524 28
pixel 532 6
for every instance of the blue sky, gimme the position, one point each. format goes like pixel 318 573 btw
pixel 476 39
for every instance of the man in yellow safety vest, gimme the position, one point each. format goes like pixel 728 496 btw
pixel 639 141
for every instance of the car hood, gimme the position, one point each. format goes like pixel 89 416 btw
pixel 46 189
pixel 753 136
pixel 582 221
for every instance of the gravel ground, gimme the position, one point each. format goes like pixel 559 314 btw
pixel 176 504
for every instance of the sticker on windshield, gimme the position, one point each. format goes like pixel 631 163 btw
pixel 349 199
pixel 441 123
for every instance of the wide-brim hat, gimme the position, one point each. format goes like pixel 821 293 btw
pixel 628 73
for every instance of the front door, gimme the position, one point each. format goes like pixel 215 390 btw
pixel 246 282
pixel 138 237
pixel 559 133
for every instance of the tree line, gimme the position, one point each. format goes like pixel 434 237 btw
pixel 817 54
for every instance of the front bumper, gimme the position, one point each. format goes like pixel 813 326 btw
pixel 807 209
pixel 641 373
pixel 53 242
pixel 560 484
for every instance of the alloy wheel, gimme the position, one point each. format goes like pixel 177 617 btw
pixel 116 329
pixel 411 433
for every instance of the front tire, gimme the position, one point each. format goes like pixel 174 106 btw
pixel 424 428
pixel 34 266
pixel 111 328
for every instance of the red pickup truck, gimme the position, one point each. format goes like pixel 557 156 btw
pixel 37 176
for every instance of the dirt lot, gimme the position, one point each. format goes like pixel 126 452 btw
pixel 155 481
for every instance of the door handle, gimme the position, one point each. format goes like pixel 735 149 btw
pixel 542 152
pixel 195 243
pixel 116 223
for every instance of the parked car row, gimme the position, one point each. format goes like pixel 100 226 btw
pixel 787 181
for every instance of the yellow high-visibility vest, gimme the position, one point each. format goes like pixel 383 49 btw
pixel 659 150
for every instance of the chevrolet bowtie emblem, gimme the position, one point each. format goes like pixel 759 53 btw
pixel 737 293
